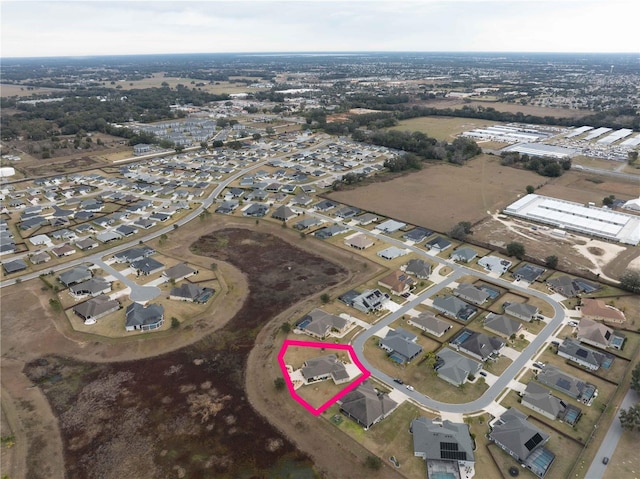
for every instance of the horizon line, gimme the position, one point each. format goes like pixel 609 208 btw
pixel 319 52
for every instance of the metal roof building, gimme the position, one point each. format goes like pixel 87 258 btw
pixel 603 223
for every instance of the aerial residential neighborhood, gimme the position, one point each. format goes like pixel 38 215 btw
pixel 303 267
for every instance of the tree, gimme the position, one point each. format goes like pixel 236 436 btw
pixel 630 281
pixel 635 378
pixel 630 418
pixel 204 145
pixel 608 200
pixel 373 462
pixel 175 322
pixel 179 148
pixel 530 189
pixel 430 360
pixel 279 383
pixel 460 231
pixel 325 298
pixel 270 130
pixel 285 327
pixel 256 136
pixel 551 261
pixel 515 249
pixel 632 157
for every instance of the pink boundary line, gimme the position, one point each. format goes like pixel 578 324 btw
pixel 318 345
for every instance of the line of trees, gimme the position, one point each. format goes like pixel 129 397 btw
pixel 541 165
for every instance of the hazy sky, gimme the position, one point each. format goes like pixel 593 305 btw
pixel 61 28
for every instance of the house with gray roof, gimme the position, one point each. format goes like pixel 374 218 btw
pixel 256 210
pixel 147 266
pixel 454 307
pixel 107 236
pixel 471 293
pixel 594 333
pixel 565 383
pixel 75 275
pixel 91 287
pixel 144 318
pixel 401 345
pixel 40 258
pixel 523 441
pixel 193 293
pixel 442 441
pixel 454 367
pixel 478 345
pixel 366 406
pixel 307 223
pixel 319 324
pixel 86 244
pixel 464 255
pixel 95 308
pixel 323 368
pixel 528 272
pixel 179 271
pixel 329 231
pixel 133 254
pixel 429 323
pixel 589 358
pixel 366 218
pixel 502 325
pixel 438 244
pixel 417 235
pixel 419 268
pixel 14 266
pixel 284 213
pixel 369 301
pixel 541 400
pixel 523 311
pixel 571 287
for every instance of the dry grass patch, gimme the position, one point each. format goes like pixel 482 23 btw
pixel 390 437
pixel 442 127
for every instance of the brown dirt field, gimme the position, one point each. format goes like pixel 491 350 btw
pixel 441 195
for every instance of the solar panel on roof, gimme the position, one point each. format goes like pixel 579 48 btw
pixel 563 383
pixel 449 446
pixel 533 442
pixel 453 455
pixel 582 353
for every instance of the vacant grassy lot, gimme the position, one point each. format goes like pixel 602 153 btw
pixel 159 78
pixel 442 128
pixel 7 90
pixel 441 195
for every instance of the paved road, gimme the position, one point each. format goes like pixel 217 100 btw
pixel 207 202
pixel 610 441
pixel 459 270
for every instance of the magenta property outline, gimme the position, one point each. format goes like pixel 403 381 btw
pixel 317 345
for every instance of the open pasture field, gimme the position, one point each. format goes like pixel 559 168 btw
pixel 456 103
pixel 442 128
pixel 159 78
pixel 7 90
pixel 441 195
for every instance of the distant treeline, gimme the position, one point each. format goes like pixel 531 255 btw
pixel 624 117
pixel 95 111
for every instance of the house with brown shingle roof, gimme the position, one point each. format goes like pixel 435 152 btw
pixel 596 309
pixel 359 241
pixel 398 282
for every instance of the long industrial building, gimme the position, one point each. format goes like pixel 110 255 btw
pixel 590 220
pixel 540 149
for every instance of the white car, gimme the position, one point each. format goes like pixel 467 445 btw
pixel 410 388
